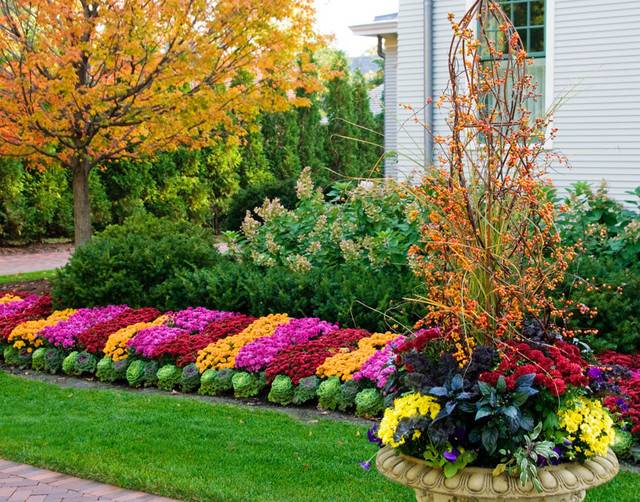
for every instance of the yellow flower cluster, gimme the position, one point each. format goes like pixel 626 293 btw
pixel 589 425
pixel 222 354
pixel 26 333
pixel 8 298
pixel 345 364
pixel 116 346
pixel 407 406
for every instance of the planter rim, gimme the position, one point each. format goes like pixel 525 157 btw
pixel 479 482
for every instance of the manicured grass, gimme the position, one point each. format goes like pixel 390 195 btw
pixel 27 276
pixel 195 450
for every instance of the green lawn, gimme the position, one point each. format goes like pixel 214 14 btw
pixel 195 450
pixel 27 276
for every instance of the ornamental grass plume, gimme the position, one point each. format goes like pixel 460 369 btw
pixel 491 253
pixel 257 355
pixel 222 354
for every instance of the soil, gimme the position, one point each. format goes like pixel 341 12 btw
pixel 6 250
pixel 38 287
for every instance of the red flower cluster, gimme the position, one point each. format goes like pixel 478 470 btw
pixel 555 366
pixel 41 308
pixel 630 361
pixel 417 341
pixel 185 347
pixel 94 339
pixel 301 361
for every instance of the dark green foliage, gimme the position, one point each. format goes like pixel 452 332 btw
pixel 134 263
pixel 150 373
pixel 85 363
pixel 252 196
pixel 306 390
pixel 281 390
pixel 247 385
pixel 369 403
pixel 168 377
pixel 135 373
pixel 350 390
pixel 281 137
pixel 190 378
pixel 367 130
pixel 214 383
pixel 37 359
pixel 605 275
pixel 312 146
pixel 53 360
pixel 69 363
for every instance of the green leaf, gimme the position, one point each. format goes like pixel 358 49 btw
pixel 450 470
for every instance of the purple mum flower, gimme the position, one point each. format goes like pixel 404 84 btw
pixel 378 367
pixel 196 319
pixel 451 455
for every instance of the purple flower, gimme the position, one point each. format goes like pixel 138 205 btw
pixel 594 373
pixel 257 355
pixel 11 308
pixel 451 455
pixel 372 434
pixel 366 465
pixel 196 319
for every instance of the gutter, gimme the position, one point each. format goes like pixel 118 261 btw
pixel 428 81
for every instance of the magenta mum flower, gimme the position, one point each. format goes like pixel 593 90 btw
pixel 11 308
pixel 257 355
pixel 378 367
pixel 195 319
pixel 147 340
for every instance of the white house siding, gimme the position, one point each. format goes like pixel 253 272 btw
pixel 596 59
pixel 410 88
pixel 391 105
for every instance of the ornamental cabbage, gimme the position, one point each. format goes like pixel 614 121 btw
pixel 247 384
pixel 17 357
pixel 622 443
pixel 190 378
pixel 281 390
pixel 330 395
pixel 214 383
pixel 168 377
pixel 85 362
pixel 53 360
pixel 135 373
pixel 369 403
pixel 104 370
pixel 306 390
pixel 37 359
pixel 150 373
pixel 69 363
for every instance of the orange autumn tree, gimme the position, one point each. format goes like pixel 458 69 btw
pixel 83 82
pixel 491 252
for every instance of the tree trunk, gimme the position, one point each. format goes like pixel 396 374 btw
pixel 81 205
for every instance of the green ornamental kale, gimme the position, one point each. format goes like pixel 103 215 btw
pixel 150 373
pixel 17 357
pixel 69 363
pixel 37 359
pixel 168 377
pixel 190 378
pixel 135 373
pixel 330 394
pixel 120 369
pixel 350 390
pixel 104 370
pixel 53 360
pixel 622 443
pixel 369 403
pixel 85 363
pixel 214 383
pixel 247 384
pixel 281 390
pixel 306 390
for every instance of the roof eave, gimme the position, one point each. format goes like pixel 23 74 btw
pixel 377 28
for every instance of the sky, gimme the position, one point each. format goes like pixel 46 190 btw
pixel 335 17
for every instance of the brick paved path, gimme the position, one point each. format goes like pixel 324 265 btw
pixel 20 483
pixel 32 262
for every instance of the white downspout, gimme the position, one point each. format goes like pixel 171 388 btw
pixel 428 81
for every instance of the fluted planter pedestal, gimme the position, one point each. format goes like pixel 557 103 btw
pixel 561 483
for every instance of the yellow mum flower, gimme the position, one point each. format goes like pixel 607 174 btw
pixel 407 406
pixel 116 346
pixel 8 298
pixel 588 423
pixel 222 354
pixel 26 333
pixel 345 364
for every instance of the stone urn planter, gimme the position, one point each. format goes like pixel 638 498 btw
pixel 561 483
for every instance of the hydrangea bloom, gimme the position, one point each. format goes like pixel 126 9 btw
pixel 64 333
pixel 257 355
pixel 378 367
pixel 147 341
pixel 195 319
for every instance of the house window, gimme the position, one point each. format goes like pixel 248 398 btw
pixel 528 17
